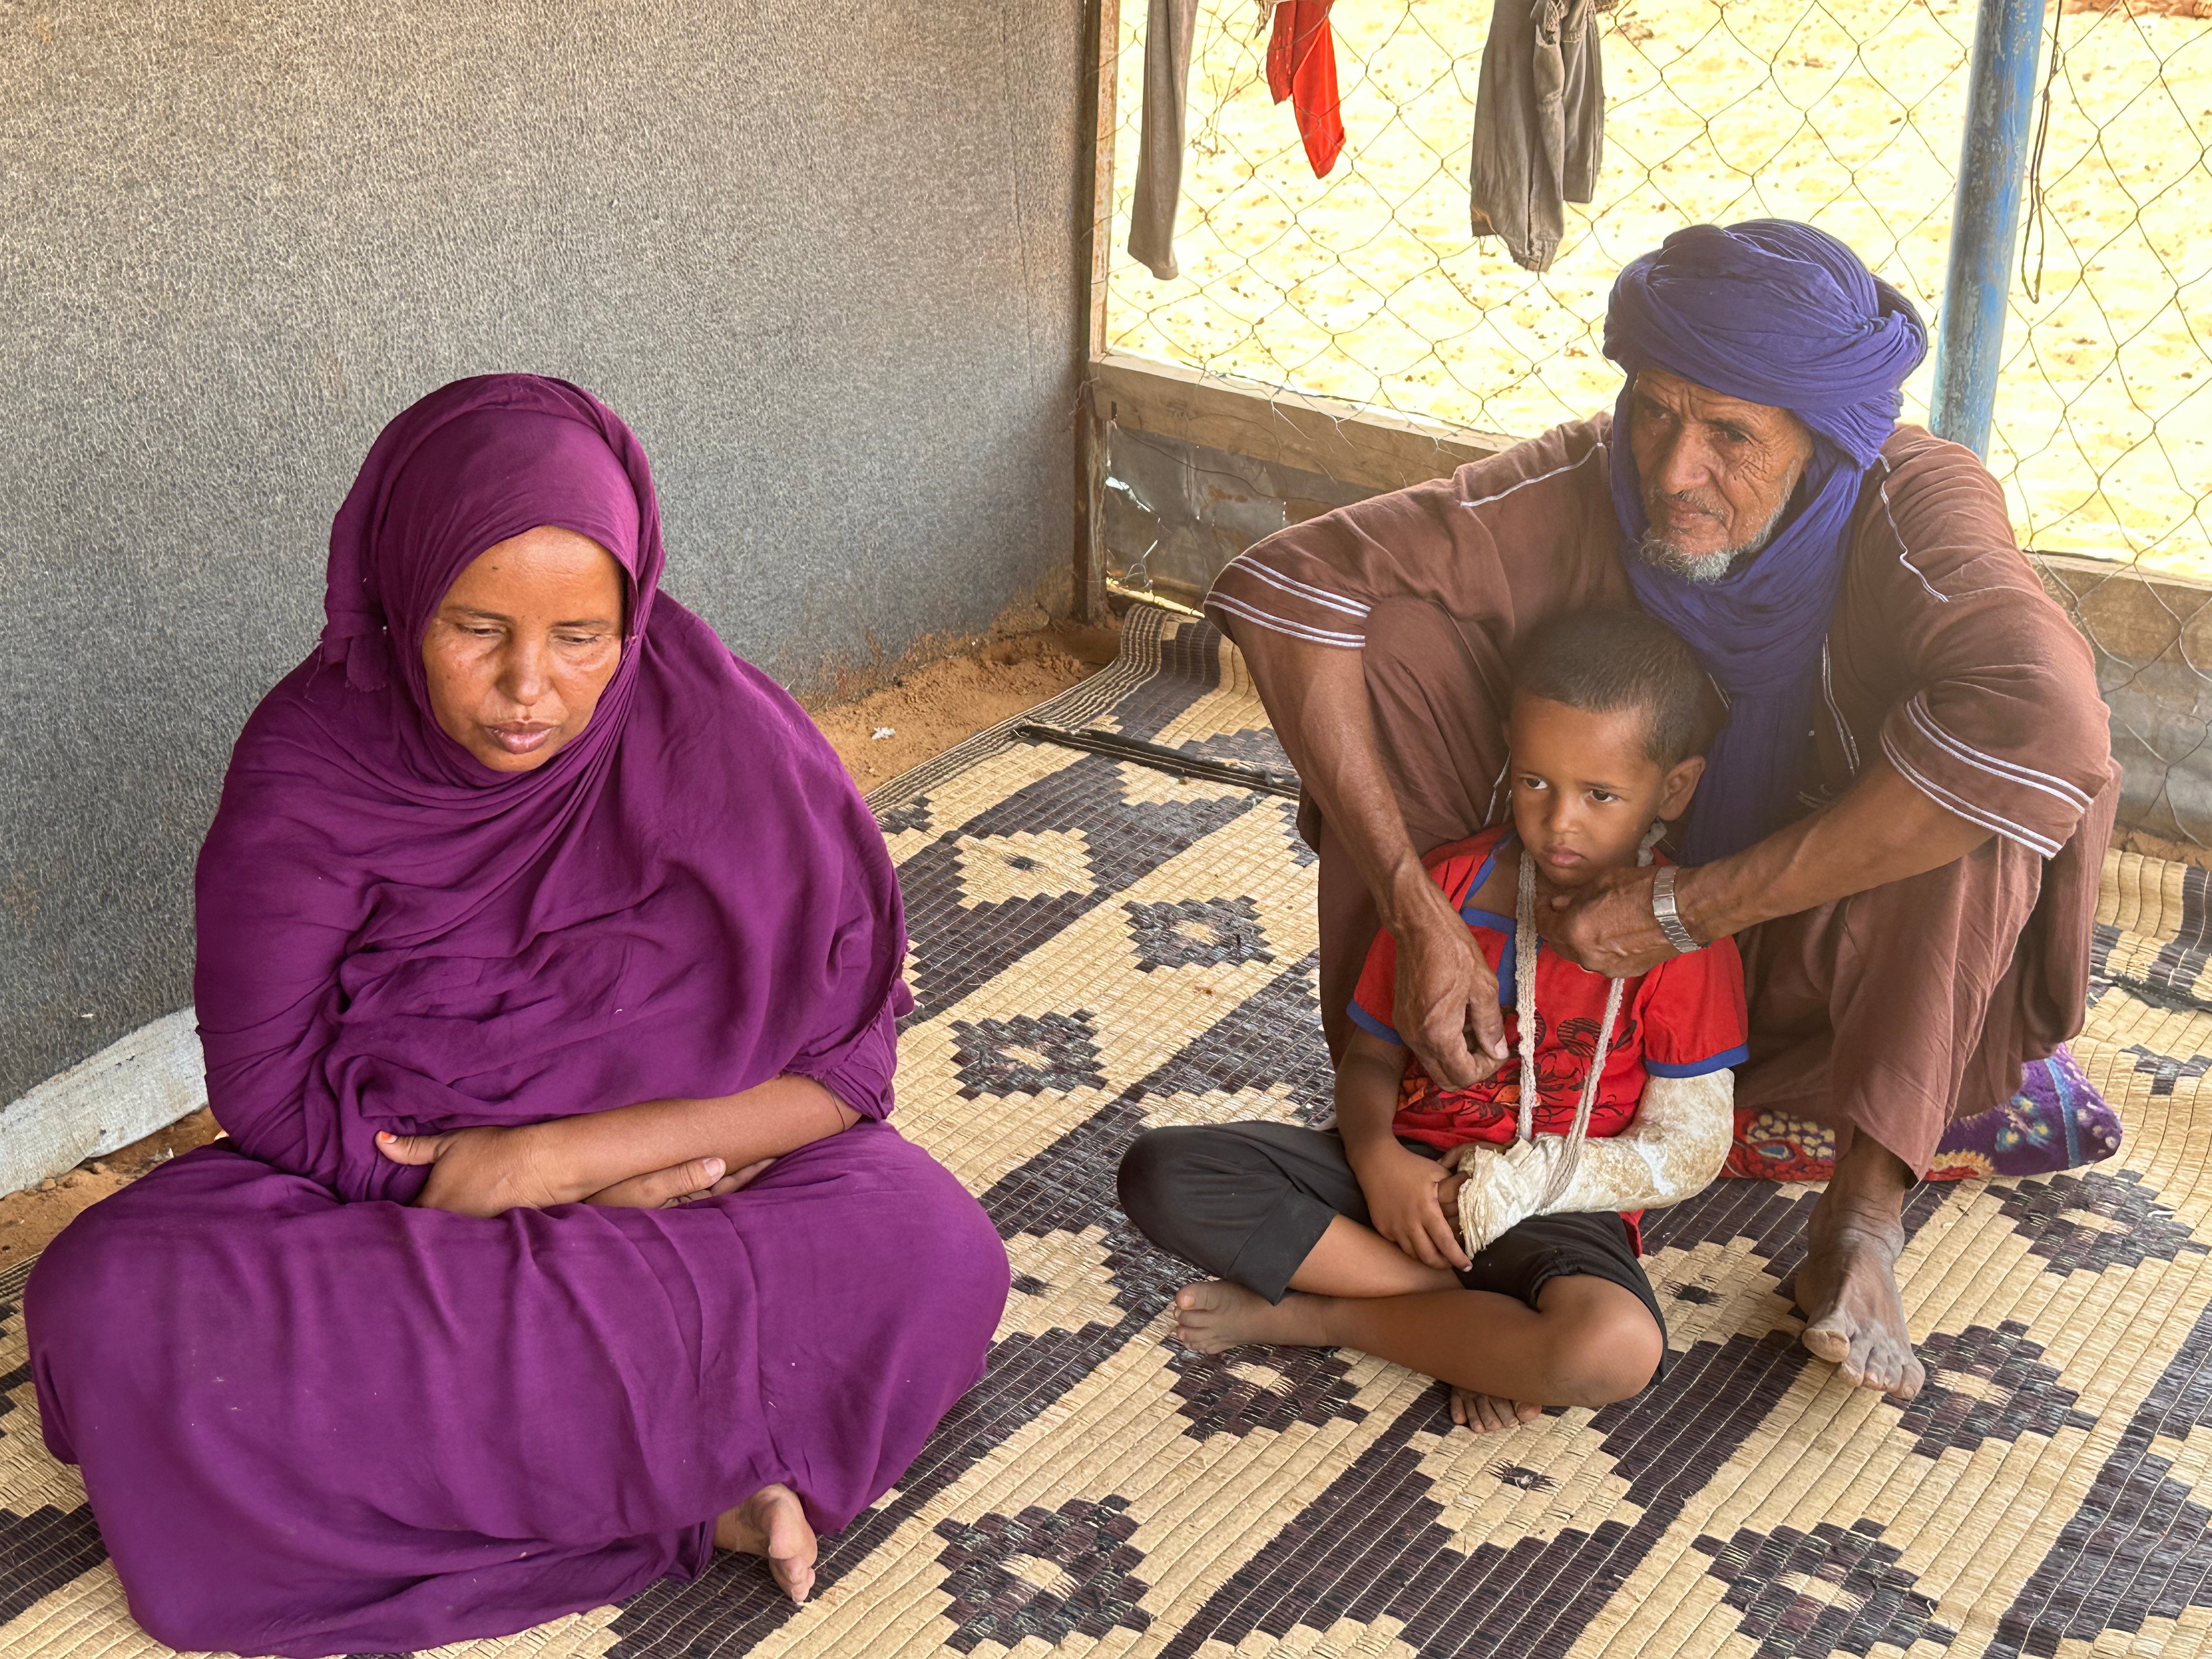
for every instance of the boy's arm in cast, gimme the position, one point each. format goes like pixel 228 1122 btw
pixel 1672 1149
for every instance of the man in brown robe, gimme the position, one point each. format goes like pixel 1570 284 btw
pixel 1915 922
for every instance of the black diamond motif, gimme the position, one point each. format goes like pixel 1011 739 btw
pixel 1026 1054
pixel 2140 1546
pixel 2016 1394
pixel 1211 932
pixel 1218 1398
pixel 2164 1070
pixel 1869 1597
pixel 1274 1038
pixel 2140 1228
pixel 1375 1544
pixel 1096 1591
pixel 907 815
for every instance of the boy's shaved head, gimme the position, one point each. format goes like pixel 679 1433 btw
pixel 1604 661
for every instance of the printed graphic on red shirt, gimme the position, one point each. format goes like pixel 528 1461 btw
pixel 1684 1019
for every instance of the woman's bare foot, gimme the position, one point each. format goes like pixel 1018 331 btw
pixel 771 1524
pixel 1217 1315
pixel 1854 1316
pixel 1487 1414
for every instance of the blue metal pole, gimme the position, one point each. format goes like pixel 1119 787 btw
pixel 1985 219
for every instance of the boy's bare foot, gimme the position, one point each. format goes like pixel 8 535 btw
pixel 1854 1318
pixel 1217 1315
pixel 1487 1414
pixel 771 1524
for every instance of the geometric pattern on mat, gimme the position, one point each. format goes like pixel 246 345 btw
pixel 1101 947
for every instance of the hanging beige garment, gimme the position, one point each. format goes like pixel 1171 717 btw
pixel 1539 124
pixel 1169 26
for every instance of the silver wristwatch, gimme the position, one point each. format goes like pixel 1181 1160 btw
pixel 1669 918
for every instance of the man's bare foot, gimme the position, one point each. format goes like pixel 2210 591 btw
pixel 1854 1317
pixel 1487 1414
pixel 1217 1315
pixel 771 1524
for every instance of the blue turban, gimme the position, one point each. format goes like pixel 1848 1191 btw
pixel 1786 315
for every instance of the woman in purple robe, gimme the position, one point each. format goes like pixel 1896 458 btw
pixel 547 969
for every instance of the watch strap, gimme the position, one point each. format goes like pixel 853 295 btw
pixel 1669 917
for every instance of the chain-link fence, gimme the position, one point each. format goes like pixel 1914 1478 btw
pixel 1367 285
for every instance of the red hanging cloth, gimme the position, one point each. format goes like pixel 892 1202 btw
pixel 1302 67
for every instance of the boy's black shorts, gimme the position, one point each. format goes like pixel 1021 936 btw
pixel 1249 1201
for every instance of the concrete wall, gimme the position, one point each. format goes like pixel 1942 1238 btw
pixel 821 254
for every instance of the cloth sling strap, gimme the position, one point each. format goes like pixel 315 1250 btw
pixel 1524 983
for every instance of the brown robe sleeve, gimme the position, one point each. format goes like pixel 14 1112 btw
pixel 1520 530
pixel 2002 724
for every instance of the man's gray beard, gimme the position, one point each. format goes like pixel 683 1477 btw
pixel 1662 555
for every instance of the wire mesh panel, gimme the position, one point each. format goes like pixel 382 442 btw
pixel 1368 284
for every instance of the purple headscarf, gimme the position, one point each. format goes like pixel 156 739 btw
pixel 1782 314
pixel 688 899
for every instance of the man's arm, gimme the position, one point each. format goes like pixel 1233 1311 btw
pixel 1316 695
pixel 1883 829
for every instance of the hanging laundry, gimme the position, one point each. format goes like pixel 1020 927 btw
pixel 1539 124
pixel 1169 26
pixel 1302 67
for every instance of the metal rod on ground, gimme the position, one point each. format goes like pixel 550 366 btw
pixel 1244 774
pixel 1985 218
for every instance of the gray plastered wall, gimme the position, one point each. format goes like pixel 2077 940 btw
pixel 822 256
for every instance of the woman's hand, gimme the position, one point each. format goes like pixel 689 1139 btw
pixel 1404 1203
pixel 489 1171
pixel 482 1171
pixel 664 1189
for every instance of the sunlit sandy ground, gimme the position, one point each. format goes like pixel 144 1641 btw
pixel 1367 285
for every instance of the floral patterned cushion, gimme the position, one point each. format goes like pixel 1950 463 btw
pixel 2057 1121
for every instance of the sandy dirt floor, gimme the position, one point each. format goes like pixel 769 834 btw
pixel 1369 286
pixel 923 709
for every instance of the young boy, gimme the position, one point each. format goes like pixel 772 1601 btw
pixel 1348 1238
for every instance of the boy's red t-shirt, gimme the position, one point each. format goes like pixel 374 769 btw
pixel 1684 1019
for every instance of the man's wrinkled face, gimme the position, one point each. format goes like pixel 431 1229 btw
pixel 1717 473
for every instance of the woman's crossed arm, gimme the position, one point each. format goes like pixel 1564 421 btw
pixel 654 1153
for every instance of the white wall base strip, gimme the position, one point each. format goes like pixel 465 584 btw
pixel 142 1083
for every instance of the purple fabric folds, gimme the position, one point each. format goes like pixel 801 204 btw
pixel 1778 313
pixel 313 1419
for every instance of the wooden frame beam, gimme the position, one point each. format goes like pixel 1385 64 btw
pixel 1101 77
pixel 1327 435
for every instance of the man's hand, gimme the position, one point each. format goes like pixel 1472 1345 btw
pixel 1316 697
pixel 1607 927
pixel 1447 998
pixel 1403 1201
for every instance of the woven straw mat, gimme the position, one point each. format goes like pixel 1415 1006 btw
pixel 1100 946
